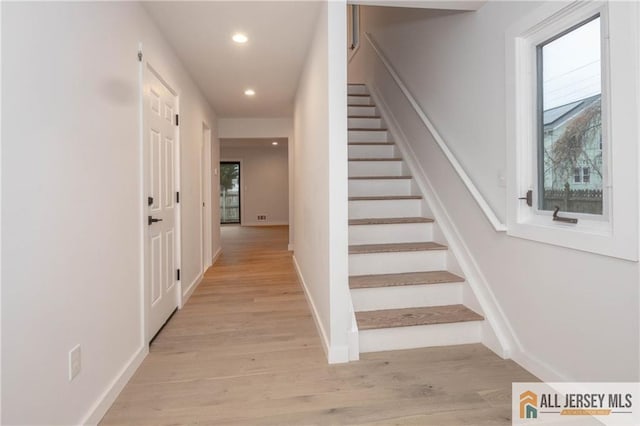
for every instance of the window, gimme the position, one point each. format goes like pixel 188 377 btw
pixel 573 89
pixel 353 26
pixel 577 176
pixel 581 175
pixel 569 118
pixel 230 192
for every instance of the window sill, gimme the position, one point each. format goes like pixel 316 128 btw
pixel 589 236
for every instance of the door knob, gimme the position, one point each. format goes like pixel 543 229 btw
pixel 153 219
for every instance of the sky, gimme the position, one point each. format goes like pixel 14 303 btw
pixel 572 67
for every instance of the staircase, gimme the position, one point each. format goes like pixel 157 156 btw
pixel 403 295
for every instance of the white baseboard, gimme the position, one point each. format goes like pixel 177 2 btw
pixel 335 354
pixel 192 287
pixel 189 291
pixel 100 407
pixel 290 247
pixel 265 223
pixel 354 339
pixel 216 256
pixel 538 368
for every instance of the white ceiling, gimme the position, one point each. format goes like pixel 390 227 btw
pixel 270 62
pixel 253 143
pixel 425 4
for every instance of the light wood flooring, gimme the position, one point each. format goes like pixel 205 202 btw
pixel 245 351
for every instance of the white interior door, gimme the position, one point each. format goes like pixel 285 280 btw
pixel 161 240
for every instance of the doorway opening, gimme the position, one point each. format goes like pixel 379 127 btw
pixel 230 197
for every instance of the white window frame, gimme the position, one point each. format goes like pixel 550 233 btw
pixel 615 233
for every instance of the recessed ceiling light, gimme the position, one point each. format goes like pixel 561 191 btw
pixel 274 143
pixel 240 38
pixel 249 92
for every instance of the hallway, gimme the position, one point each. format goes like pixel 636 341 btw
pixel 244 350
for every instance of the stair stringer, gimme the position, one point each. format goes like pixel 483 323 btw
pixel 497 333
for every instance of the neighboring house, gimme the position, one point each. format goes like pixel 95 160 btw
pixel 582 116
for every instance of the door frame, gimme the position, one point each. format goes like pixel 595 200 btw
pixel 234 160
pixel 206 198
pixel 145 66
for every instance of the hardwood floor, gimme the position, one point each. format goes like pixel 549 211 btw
pixel 245 351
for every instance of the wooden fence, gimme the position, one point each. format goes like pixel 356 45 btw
pixel 573 200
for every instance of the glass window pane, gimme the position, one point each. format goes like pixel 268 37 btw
pixel 229 192
pixel 569 120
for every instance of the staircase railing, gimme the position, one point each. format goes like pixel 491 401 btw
pixel 475 193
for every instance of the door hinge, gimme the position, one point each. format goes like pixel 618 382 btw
pixel 178 274
pixel 149 201
pixel 139 56
pixel 177 120
pixel 178 197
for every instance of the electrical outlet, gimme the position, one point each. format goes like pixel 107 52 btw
pixel 75 362
pixel 262 217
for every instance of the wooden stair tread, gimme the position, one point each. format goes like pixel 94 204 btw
pixel 378 177
pixel 376 159
pixel 366 129
pixel 356 105
pixel 395 247
pixel 376 117
pixel 359 94
pixel 407 278
pixel 391 318
pixel 371 143
pixel 389 220
pixel 386 197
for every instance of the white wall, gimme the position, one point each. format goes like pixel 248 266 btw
pixel 320 174
pixel 574 314
pixel 239 128
pixel 255 127
pixel 264 180
pixel 71 246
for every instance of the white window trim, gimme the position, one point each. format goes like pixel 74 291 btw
pixel 611 235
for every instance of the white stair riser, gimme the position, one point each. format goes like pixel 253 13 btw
pixel 357 90
pixel 368 136
pixel 384 208
pixel 395 233
pixel 397 262
pixel 372 151
pixel 412 296
pixel 365 187
pixel 359 100
pixel 420 336
pixel 375 168
pixel 365 123
pixel 362 110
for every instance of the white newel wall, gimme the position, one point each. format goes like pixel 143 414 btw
pixel 556 300
pixel 320 174
pixel 72 200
